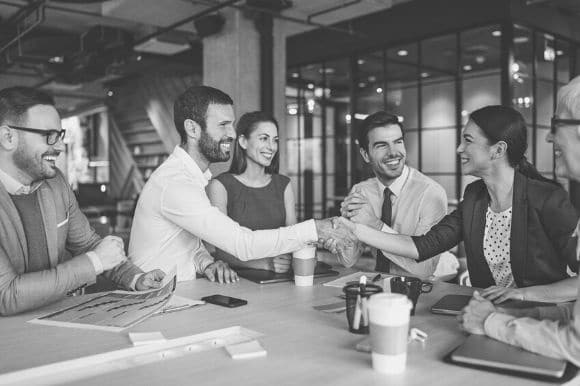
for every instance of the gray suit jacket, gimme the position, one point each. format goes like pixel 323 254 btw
pixel 69 236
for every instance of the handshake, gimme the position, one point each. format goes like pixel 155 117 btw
pixel 337 234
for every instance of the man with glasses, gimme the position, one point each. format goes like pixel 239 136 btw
pixel 47 247
pixel 551 331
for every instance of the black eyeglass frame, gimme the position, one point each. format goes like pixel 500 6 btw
pixel 54 134
pixel 562 121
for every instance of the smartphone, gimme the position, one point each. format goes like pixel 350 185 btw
pixel 225 301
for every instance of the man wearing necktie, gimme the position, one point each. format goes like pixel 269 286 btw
pixel 398 199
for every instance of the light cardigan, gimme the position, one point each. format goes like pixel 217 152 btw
pixel 556 333
pixel 69 236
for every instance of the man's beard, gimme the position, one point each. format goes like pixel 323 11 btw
pixel 211 149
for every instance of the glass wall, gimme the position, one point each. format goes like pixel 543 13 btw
pixel 432 85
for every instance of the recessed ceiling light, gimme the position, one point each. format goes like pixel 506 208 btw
pixel 110 93
pixel 379 90
pixel 402 52
pixel 496 33
pixel 521 39
pixel 480 59
pixel 515 67
pixel 362 84
pixel 559 52
pixel 295 75
pixel 139 57
pixel 310 86
pixel 467 67
pixel 372 78
pixel 360 61
pixel 425 75
pixel 56 59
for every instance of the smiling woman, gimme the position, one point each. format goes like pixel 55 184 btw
pixel 252 192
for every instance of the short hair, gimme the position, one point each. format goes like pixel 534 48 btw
pixel 15 102
pixel 569 97
pixel 378 119
pixel 246 125
pixel 193 103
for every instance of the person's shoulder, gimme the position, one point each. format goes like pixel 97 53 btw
pixel 425 183
pixel 226 179
pixel 540 191
pixel 281 179
pixel 368 184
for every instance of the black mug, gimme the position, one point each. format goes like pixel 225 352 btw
pixel 410 286
pixel 353 293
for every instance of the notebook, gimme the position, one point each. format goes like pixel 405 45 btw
pixel 481 351
pixel 453 304
pixel 261 276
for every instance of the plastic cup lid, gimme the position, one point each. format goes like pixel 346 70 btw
pixel 390 300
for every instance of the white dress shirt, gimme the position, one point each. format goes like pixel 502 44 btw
pixel 174 215
pixel 418 203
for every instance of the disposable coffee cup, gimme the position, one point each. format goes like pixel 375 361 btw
pixel 303 265
pixel 389 316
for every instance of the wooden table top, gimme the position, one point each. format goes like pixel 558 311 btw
pixel 305 346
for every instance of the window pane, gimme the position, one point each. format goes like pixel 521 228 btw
pixel 438 150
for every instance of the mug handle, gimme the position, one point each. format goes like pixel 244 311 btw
pixel 426 287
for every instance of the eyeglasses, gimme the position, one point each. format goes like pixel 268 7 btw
pixel 557 122
pixel 52 136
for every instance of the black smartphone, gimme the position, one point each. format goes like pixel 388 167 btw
pixel 225 301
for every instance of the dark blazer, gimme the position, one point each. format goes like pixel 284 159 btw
pixel 541 246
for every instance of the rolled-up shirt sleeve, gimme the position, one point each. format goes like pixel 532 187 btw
pixel 554 338
pixel 197 216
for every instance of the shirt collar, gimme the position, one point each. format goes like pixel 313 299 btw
pixel 14 187
pixel 398 184
pixel 190 165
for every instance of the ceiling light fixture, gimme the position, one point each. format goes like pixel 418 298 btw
pixel 496 33
pixel 402 52
pixel 467 67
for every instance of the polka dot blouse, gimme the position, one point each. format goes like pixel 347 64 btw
pixel 496 246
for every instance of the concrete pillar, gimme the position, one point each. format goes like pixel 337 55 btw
pixel 231 62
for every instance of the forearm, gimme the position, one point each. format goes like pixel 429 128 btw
pixel 400 245
pixel 545 337
pixel 558 292
pixel 19 293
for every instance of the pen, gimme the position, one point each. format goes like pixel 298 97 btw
pixel 178 308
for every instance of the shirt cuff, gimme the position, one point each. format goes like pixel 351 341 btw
pixel 96 261
pixel 387 229
pixel 307 232
pixel 134 281
pixel 496 323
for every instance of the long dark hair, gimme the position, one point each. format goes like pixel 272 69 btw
pixel 502 123
pixel 246 125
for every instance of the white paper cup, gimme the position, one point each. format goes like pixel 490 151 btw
pixel 389 327
pixel 304 281
pixel 303 264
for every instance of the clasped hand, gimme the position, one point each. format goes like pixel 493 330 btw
pixel 337 235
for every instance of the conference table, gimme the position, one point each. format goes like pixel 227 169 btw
pixel 304 346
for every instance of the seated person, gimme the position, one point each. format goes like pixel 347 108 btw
pixel 252 193
pixel 516 224
pixel 398 196
pixel 174 214
pixel 47 247
pixel 551 331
